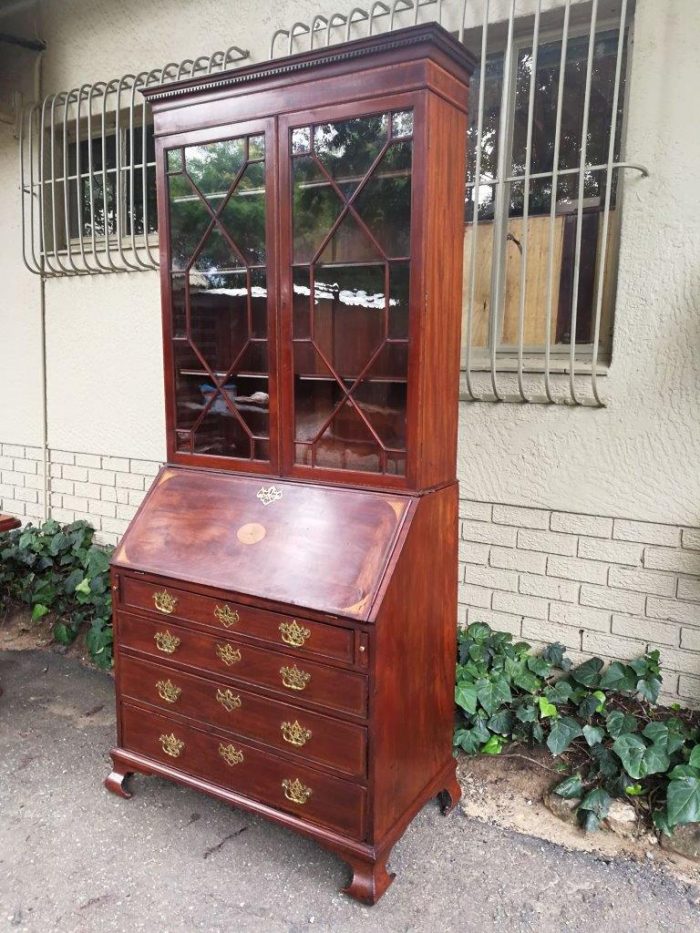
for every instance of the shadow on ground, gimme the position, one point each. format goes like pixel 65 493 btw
pixel 75 858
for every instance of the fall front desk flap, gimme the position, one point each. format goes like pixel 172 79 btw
pixel 312 546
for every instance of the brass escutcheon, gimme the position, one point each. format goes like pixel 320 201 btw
pixel 228 654
pixel 166 642
pixel 269 494
pixel 295 791
pixel 294 678
pixel 226 615
pixel 294 634
pixel 171 745
pixel 230 754
pixel 168 691
pixel 295 733
pixel 228 700
pixel 165 602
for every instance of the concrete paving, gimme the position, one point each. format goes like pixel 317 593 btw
pixel 75 858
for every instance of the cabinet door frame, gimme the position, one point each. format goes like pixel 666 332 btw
pixel 218 133
pixel 359 107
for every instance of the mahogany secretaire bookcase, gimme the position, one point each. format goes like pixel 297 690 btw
pixel 285 598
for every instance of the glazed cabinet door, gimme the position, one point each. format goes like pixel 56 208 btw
pixel 216 197
pixel 347 242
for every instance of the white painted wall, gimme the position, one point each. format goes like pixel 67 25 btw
pixel 638 458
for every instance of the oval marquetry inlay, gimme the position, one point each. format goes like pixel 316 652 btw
pixel 251 533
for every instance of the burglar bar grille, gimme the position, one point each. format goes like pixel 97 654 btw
pixel 543 193
pixel 87 173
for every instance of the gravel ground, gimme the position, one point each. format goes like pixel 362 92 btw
pixel 75 858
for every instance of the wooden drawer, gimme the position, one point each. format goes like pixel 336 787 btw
pixel 288 633
pixel 289 729
pixel 298 680
pixel 232 764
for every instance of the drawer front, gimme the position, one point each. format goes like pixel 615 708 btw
pixel 287 632
pixel 296 679
pixel 236 766
pixel 292 730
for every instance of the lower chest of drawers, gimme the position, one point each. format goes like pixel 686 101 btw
pixel 266 719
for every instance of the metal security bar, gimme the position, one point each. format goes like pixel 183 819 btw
pixel 87 173
pixel 542 208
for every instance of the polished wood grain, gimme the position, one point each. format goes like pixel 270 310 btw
pixel 224 551
pixel 8 522
pixel 288 729
pixel 289 632
pixel 242 662
pixel 333 802
pixel 201 527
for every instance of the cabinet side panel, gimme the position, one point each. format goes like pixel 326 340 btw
pixel 441 305
pixel 414 664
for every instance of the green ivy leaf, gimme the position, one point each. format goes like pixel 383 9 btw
pixel 602 699
pixel 694 760
pixel 502 722
pixel 465 696
pixel 620 677
pixel 492 693
pixel 563 732
pixel 39 611
pixel 607 764
pixel 681 771
pixel 588 673
pixel 467 740
pixel 630 750
pixel 660 820
pixel 656 761
pixel 97 562
pixel 539 665
pixel 597 801
pixel 649 688
pixel 634 790
pixel 478 632
pixel 588 706
pixel 683 801
pixel 570 788
pixel 493 746
pixel 555 654
pixel 618 723
pixel 63 633
pixel 526 713
pixel 656 732
pixel 83 587
pixel 593 735
pixel 547 709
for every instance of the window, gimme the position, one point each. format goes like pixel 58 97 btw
pixel 109 193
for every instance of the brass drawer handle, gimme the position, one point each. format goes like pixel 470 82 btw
pixel 171 745
pixel 294 678
pixel 165 602
pixel 231 755
pixel 295 733
pixel 226 615
pixel 166 642
pixel 294 634
pixel 228 700
pixel 168 691
pixel 295 791
pixel 228 654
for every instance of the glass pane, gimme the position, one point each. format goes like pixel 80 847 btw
pixel 385 202
pixel 213 167
pixel 316 206
pixel 348 148
pixel 402 123
pixel 301 139
pixel 174 160
pixel 351 350
pixel 349 315
pixel 244 214
pixel 189 220
pixel 221 359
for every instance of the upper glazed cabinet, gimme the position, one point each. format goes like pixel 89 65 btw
pixel 303 250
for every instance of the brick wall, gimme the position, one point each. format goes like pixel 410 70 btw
pixel 106 491
pixel 603 586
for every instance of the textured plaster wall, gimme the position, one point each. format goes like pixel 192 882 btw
pixel 636 459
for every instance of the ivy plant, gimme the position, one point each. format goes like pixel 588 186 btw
pixel 601 723
pixel 59 569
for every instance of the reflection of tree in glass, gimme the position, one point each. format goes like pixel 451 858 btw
pixel 544 122
pixel 213 169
